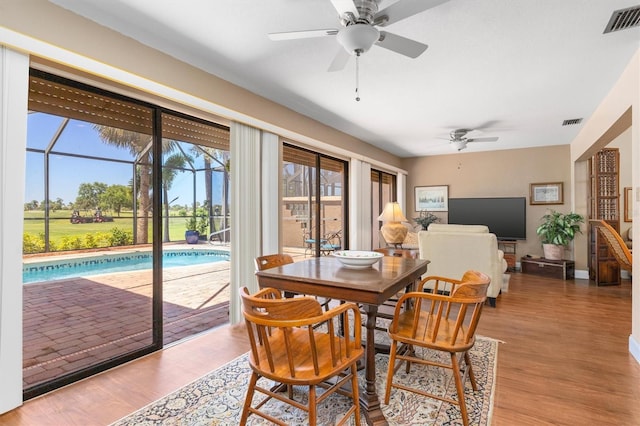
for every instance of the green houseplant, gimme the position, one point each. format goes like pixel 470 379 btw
pixel 425 219
pixel 191 235
pixel 556 231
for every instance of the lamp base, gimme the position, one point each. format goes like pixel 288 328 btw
pixel 394 233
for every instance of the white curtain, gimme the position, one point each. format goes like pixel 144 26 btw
pixel 359 205
pixel 14 84
pixel 271 154
pixel 401 188
pixel 245 212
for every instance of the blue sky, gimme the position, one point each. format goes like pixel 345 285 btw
pixel 67 173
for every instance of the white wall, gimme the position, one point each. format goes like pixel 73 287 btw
pixel 618 109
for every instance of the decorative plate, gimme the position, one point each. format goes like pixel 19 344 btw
pixel 357 259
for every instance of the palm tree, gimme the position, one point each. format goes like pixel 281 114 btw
pixel 220 157
pixel 139 145
pixel 173 165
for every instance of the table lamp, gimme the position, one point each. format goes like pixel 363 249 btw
pixel 393 231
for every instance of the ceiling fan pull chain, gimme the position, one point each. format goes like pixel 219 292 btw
pixel 357 76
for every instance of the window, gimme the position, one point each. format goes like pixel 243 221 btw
pixel 383 190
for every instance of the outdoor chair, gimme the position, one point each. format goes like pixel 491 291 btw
pixel 438 322
pixel 289 348
pixel 330 242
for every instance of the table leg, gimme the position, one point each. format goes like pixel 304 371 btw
pixel 369 398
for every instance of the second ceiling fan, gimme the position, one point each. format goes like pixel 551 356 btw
pixel 359 20
pixel 459 140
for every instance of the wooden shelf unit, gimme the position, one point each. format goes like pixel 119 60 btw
pixel 604 204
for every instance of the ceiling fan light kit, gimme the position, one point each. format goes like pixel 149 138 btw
pixel 358 38
pixel 459 145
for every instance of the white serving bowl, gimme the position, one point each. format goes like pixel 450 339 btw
pixel 357 259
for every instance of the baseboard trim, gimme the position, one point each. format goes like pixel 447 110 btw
pixel 634 348
pixel 581 274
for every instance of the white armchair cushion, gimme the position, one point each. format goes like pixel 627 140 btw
pixel 445 227
pixel 454 249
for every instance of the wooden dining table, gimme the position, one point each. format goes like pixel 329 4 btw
pixel 326 277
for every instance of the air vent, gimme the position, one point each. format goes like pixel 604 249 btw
pixel 572 122
pixel 623 19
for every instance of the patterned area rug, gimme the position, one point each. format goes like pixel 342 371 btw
pixel 217 398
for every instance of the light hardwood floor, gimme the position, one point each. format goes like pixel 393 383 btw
pixel 564 361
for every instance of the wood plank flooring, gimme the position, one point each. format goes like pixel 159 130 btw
pixel 564 361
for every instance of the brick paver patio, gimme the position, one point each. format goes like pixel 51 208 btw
pixel 74 323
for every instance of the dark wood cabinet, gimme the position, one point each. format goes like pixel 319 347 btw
pixel 604 204
pixel 561 269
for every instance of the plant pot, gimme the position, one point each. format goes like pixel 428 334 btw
pixel 191 237
pixel 553 251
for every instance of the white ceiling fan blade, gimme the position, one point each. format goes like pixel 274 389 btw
pixel 294 35
pixel 404 46
pixel 344 6
pixel 339 61
pixel 403 9
pixel 490 139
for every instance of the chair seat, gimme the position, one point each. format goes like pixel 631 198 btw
pixel 422 332
pixel 305 372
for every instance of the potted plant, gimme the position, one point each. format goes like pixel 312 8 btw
pixel 425 219
pixel 556 231
pixel 191 234
pixel 203 225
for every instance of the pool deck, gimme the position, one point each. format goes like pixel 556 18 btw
pixel 70 324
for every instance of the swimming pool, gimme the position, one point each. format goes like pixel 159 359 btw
pixel 109 263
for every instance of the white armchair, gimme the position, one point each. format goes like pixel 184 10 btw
pixel 455 249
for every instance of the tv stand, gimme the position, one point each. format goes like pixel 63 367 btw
pixel 508 247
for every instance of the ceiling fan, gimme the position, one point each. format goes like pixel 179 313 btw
pixel 459 140
pixel 359 19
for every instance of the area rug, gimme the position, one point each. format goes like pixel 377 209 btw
pixel 217 398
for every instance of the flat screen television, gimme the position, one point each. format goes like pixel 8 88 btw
pixel 506 216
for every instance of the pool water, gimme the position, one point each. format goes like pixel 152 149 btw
pixel 109 263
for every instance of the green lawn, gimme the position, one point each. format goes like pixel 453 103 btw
pixel 61 226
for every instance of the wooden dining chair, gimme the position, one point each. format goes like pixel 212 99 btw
pixel 269 261
pixel 438 322
pixel 386 309
pixel 616 244
pixel 272 260
pixel 287 347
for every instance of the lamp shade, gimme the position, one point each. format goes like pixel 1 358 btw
pixel 392 213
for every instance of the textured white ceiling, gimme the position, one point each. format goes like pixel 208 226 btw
pixel 514 69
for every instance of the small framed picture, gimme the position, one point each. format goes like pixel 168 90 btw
pixel 432 198
pixel 546 193
pixel 628 205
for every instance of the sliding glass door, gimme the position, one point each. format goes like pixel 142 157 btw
pixel 313 202
pixel 113 188
pixel 195 226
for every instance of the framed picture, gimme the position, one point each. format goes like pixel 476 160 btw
pixel 432 198
pixel 628 204
pixel 546 193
